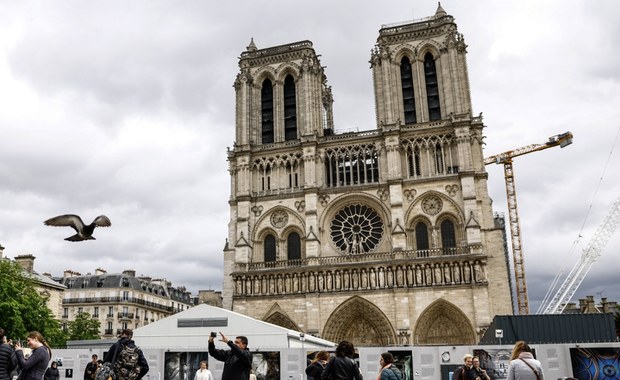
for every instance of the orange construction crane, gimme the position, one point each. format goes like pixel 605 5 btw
pixel 505 158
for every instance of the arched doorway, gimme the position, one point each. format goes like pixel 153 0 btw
pixel 360 322
pixel 443 323
pixel 277 316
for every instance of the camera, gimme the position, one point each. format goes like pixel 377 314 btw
pixel 213 334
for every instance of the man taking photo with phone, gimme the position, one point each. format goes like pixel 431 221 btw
pixel 237 360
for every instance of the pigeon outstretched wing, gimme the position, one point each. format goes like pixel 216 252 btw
pixel 68 220
pixel 83 231
pixel 102 221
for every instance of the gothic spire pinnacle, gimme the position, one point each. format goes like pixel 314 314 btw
pixel 440 11
pixel 251 46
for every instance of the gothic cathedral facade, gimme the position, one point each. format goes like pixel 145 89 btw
pixel 381 237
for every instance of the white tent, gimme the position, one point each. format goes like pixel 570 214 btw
pixel 190 329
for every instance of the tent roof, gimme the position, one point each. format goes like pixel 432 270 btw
pixel 190 329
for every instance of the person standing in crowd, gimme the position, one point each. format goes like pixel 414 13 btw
pixel 203 372
pixel 52 372
pixel 91 368
pixel 388 370
pixel 316 366
pixel 523 365
pixel 34 367
pixel 8 360
pixel 465 372
pixel 115 354
pixel 342 366
pixel 237 360
pixel 481 374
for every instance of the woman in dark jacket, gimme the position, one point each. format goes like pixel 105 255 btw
pixel 342 367
pixel 34 367
pixel 52 372
pixel 315 368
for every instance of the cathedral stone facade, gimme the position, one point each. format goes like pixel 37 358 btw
pixel 380 237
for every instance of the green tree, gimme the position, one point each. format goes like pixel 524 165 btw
pixel 84 327
pixel 23 309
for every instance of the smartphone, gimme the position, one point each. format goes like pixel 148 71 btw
pixel 213 334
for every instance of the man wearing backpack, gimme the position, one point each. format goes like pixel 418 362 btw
pixel 126 358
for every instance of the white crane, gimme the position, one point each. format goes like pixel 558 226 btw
pixel 582 267
pixel 561 140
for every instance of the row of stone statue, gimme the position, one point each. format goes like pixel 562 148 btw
pixel 407 276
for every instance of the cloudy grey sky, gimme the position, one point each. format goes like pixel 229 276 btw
pixel 125 108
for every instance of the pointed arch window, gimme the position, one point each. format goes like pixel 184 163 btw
pixel 293 246
pixel 432 88
pixel 406 79
pixel 290 109
pixel 270 248
pixel 266 94
pixel 421 236
pixel 439 159
pixel 413 156
pixel 448 235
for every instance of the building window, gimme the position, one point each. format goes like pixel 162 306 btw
pixel 96 312
pixel 293 246
pixel 270 248
pixel 290 109
pixel 80 310
pixel 421 236
pixel 65 312
pixel 356 229
pixel 110 311
pixel 432 88
pixel 266 94
pixel 413 162
pixel 266 179
pixel 439 159
pixel 448 236
pixel 406 79
pixel 125 296
pixel 351 165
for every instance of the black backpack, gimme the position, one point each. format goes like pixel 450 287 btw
pixel 126 366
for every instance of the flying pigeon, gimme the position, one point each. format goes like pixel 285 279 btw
pixel 84 231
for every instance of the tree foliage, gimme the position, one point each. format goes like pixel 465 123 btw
pixel 84 327
pixel 23 309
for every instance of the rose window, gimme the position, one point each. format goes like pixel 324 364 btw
pixel 356 229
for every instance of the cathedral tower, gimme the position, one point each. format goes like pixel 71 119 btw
pixel 380 237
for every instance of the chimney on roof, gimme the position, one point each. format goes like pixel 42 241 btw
pixel 70 273
pixel 26 261
pixel 100 271
pixel 129 272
